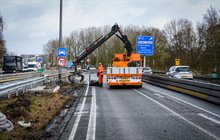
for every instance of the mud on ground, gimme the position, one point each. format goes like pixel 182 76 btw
pixel 37 108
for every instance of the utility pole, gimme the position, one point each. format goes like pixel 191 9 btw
pixel 60 36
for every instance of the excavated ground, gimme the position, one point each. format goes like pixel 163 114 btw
pixel 37 108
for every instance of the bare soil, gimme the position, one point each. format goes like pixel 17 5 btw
pixel 37 108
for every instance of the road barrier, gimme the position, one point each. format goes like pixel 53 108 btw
pixel 17 76
pixel 30 82
pixel 20 86
pixel 206 91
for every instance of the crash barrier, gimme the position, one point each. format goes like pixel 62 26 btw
pixel 206 91
pixel 17 76
pixel 208 79
pixel 213 78
pixel 55 77
pixel 21 86
pixel 5 124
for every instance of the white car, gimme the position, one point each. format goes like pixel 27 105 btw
pixel 25 68
pixel 147 70
pixel 180 72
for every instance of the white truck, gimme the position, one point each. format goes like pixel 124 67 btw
pixel 118 76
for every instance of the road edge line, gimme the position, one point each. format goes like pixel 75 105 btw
pixel 76 123
pixel 92 119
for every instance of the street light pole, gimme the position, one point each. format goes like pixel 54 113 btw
pixel 60 36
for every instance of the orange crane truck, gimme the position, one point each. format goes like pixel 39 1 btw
pixel 126 68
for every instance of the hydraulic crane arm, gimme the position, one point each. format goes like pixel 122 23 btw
pixel 101 40
pixel 127 43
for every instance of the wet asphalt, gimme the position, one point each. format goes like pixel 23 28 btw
pixel 146 114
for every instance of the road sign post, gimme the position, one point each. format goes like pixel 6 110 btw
pixel 145 46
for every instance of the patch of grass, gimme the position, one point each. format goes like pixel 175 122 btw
pixel 4 103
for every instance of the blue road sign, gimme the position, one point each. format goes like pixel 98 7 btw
pixel 40 59
pixel 61 52
pixel 145 45
pixel 69 64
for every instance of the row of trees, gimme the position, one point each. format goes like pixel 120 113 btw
pixel 197 47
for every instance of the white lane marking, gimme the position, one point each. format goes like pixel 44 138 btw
pixel 209 118
pixel 75 126
pixel 185 102
pixel 83 112
pixel 178 115
pixel 159 95
pixel 92 119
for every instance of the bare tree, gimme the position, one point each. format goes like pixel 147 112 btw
pixel 181 41
pixel 50 49
pixel 210 36
pixel 2 41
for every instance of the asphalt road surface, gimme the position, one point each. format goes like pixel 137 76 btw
pixel 147 113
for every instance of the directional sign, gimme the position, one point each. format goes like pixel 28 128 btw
pixel 145 45
pixel 69 64
pixel 61 52
pixel 61 61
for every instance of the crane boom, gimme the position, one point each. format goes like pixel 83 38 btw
pixel 115 28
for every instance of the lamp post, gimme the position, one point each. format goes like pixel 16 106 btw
pixel 60 36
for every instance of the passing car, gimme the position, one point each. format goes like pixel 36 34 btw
pixel 180 72
pixel 25 68
pixel 147 70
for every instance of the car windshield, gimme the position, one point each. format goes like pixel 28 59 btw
pixel 183 69
pixel 31 66
pixel 147 68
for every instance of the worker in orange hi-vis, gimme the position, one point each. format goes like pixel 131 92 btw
pixel 100 74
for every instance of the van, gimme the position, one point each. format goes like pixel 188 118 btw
pixel 33 66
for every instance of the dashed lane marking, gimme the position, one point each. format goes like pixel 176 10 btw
pixel 214 114
pixel 179 116
pixel 209 118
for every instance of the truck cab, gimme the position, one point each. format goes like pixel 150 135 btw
pixel 12 64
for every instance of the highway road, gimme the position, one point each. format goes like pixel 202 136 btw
pixel 147 113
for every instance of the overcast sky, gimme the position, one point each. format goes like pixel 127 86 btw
pixel 32 23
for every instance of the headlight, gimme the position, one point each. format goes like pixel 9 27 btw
pixel 177 76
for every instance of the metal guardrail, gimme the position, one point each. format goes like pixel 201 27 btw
pixel 20 86
pixel 55 76
pixel 17 76
pixel 195 77
pixel 206 91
